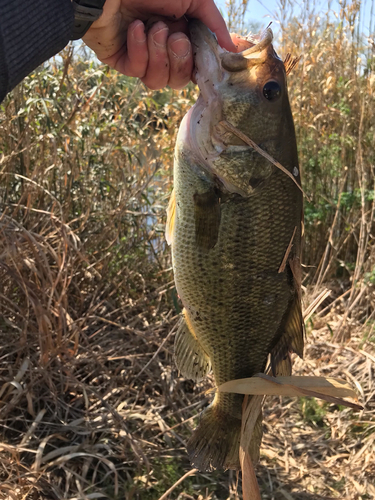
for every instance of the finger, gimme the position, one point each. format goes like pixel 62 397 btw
pixel 157 74
pixel 180 59
pixel 136 59
pixel 209 14
pixel 132 58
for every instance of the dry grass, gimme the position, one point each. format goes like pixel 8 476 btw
pixel 109 418
pixel 329 453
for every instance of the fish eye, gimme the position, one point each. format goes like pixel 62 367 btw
pixel 272 90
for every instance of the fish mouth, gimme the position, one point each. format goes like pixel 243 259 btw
pixel 205 42
pixel 259 48
pixel 200 130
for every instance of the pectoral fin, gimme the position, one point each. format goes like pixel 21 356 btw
pixel 207 219
pixel 191 359
pixel 281 363
pixel 171 217
pixel 292 340
pixel 295 328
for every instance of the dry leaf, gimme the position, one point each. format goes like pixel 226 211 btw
pixel 328 389
pixel 250 411
pixel 258 149
pixel 250 488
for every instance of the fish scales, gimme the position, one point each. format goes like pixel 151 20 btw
pixel 231 219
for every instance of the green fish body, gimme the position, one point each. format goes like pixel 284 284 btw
pixel 235 227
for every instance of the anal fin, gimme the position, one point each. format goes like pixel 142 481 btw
pixel 191 359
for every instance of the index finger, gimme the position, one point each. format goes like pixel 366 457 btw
pixel 209 14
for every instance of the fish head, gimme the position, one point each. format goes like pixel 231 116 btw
pixel 249 90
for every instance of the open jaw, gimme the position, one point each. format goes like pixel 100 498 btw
pixel 200 134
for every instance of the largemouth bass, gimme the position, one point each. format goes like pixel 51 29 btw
pixel 235 225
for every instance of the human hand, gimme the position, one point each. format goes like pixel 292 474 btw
pixel 161 55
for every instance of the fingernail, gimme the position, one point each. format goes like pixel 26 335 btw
pixel 181 47
pixel 160 37
pixel 139 34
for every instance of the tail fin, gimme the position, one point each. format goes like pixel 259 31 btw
pixel 215 443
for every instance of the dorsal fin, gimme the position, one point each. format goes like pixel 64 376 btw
pixel 290 63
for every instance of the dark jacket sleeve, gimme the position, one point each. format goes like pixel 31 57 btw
pixel 31 31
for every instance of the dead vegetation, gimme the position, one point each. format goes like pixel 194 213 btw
pixel 109 418
pixel 91 405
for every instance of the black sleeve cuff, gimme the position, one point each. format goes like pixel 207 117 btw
pixel 31 31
